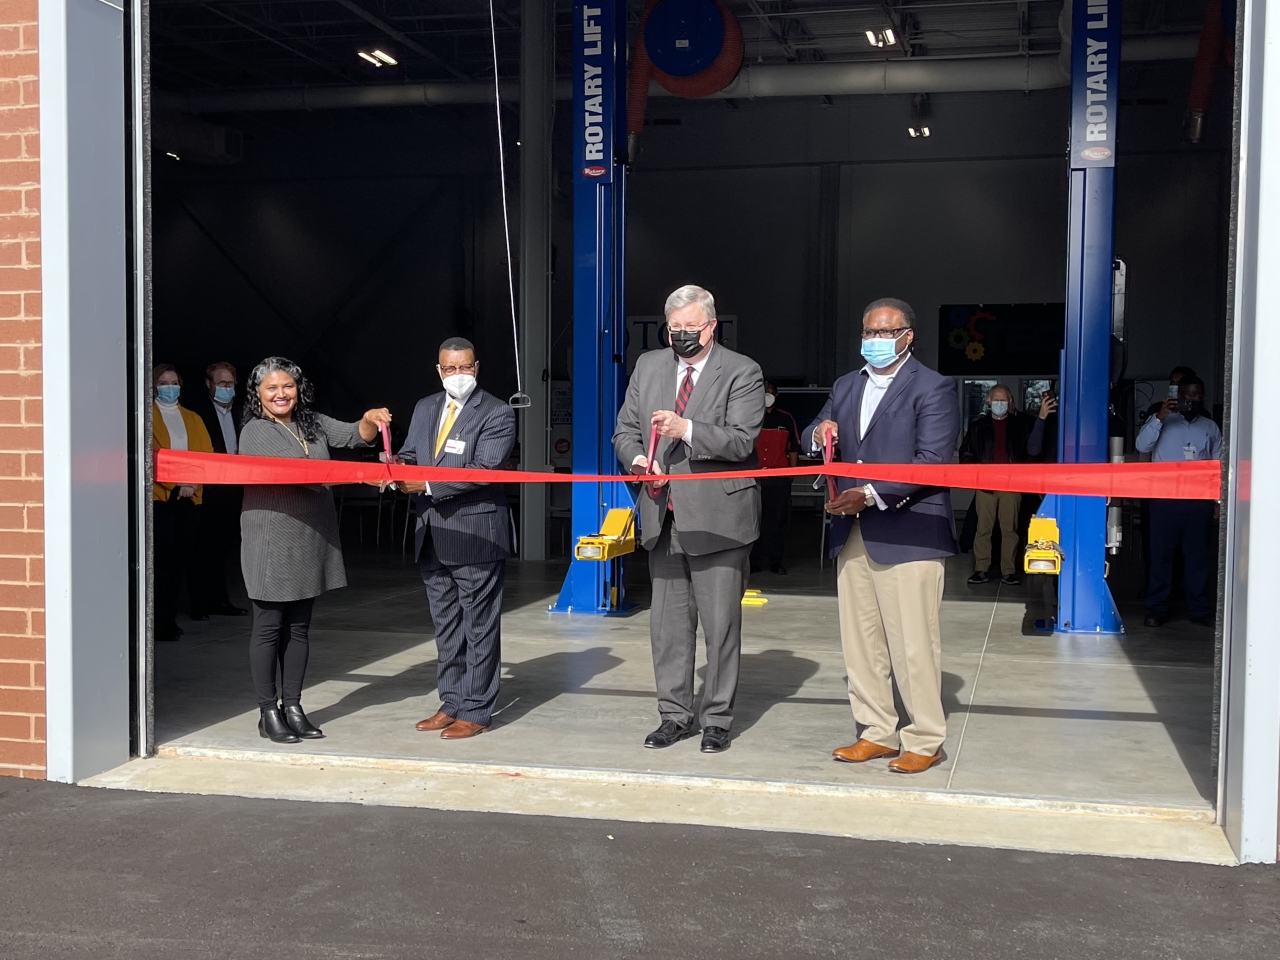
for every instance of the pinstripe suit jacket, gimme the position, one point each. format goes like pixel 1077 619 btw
pixel 468 522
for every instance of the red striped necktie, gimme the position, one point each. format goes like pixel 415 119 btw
pixel 682 401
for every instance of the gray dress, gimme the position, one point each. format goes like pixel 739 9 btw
pixel 289 532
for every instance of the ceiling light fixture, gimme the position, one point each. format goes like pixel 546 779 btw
pixel 889 38
pixel 170 153
pixel 372 59
pixel 385 58
pixel 882 38
pixel 924 131
pixel 913 132
pixel 873 39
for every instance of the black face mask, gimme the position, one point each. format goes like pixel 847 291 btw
pixel 686 343
pixel 1190 408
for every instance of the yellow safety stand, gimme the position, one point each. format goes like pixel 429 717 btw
pixel 617 536
pixel 754 598
pixel 1043 555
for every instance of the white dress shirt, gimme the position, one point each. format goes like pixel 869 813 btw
pixel 173 422
pixel 877 386
pixel 228 426
pixel 697 369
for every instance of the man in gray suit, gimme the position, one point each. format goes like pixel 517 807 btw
pixel 890 540
pixel 462 538
pixel 706 403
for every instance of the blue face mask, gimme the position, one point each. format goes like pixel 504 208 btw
pixel 999 408
pixel 167 393
pixel 224 394
pixel 880 353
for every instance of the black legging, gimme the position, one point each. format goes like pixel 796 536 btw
pixel 280 637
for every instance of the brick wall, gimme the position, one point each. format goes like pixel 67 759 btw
pixel 22 709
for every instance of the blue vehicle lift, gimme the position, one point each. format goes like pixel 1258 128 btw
pixel 1085 604
pixel 599 327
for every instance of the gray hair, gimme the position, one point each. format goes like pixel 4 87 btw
pixel 454 344
pixel 893 303
pixel 688 294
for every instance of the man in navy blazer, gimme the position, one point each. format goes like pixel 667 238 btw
pixel 889 540
pixel 462 538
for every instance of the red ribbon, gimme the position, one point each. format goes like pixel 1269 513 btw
pixel 1176 480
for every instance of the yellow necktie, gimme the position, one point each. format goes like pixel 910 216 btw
pixel 449 417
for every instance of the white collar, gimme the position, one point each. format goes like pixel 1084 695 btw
pixel 701 363
pixel 881 379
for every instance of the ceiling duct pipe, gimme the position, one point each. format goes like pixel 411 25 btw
pixel 914 75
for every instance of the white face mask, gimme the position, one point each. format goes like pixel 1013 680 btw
pixel 769 399
pixel 999 408
pixel 459 385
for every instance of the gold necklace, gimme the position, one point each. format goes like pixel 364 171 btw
pixel 302 442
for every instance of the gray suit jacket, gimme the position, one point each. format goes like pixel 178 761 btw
pixel 468 522
pixel 917 421
pixel 726 407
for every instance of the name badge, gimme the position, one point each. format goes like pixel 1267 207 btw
pixel 455 446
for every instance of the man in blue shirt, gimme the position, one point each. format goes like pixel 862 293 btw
pixel 1180 431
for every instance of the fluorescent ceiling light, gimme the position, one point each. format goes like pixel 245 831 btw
pixel 888 36
pixel 913 131
pixel 924 131
pixel 374 60
pixel 385 57
pixel 872 38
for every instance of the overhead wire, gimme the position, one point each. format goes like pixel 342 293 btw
pixel 519 399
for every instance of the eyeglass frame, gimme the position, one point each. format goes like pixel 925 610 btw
pixel 894 333
pixel 452 369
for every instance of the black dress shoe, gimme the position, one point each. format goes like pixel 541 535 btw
pixel 778 568
pixel 230 610
pixel 271 726
pixel 297 722
pixel 1154 620
pixel 715 739
pixel 670 732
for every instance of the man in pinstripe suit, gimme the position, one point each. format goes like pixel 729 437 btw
pixel 462 538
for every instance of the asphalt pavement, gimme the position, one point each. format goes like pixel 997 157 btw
pixel 102 874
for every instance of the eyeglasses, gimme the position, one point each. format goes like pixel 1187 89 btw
pixel 697 329
pixel 451 370
pixel 883 334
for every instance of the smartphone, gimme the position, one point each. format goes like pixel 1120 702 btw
pixel 1173 391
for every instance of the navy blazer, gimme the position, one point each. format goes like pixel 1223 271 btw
pixel 917 421
pixel 468 522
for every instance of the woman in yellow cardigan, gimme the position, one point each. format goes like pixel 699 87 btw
pixel 176 507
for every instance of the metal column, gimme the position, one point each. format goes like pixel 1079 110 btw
pixel 1084 599
pixel 599 351
pixel 537 92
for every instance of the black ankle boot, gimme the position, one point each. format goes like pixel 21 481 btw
pixel 299 724
pixel 271 725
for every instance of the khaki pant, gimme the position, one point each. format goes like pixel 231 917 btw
pixel 1002 506
pixel 890 630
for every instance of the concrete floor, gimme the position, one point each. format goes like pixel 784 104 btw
pixel 1030 715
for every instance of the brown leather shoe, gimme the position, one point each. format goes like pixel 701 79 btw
pixel 910 762
pixel 461 729
pixel 437 721
pixel 862 751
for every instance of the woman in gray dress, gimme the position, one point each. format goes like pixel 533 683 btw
pixel 290 550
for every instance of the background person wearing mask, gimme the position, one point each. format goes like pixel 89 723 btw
pixel 777 446
pixel 462 538
pixel 1003 435
pixel 176 507
pixel 1180 430
pixel 221 412
pixel 290 551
